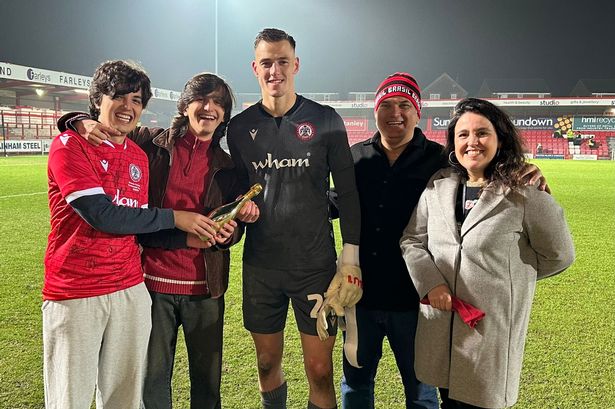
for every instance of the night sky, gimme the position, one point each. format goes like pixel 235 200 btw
pixel 343 45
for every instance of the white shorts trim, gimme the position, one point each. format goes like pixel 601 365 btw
pixel 171 281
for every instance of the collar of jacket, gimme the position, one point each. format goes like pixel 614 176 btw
pixel 220 159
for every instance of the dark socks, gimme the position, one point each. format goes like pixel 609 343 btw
pixel 275 399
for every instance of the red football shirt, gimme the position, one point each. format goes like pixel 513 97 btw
pixel 81 261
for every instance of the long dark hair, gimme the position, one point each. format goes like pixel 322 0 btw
pixel 505 169
pixel 197 87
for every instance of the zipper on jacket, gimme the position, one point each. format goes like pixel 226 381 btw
pixel 186 170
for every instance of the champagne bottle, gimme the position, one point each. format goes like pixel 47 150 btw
pixel 225 213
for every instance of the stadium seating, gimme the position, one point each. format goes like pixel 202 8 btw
pixel 355 137
pixel 550 145
pixel 436 136
pixel 25 122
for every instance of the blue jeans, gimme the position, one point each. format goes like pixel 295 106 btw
pixel 371 328
pixel 202 320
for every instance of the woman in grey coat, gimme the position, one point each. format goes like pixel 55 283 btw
pixel 480 235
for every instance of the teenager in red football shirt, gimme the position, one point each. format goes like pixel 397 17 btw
pixel 96 309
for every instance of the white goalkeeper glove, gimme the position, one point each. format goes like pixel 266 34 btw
pixel 345 290
pixel 351 286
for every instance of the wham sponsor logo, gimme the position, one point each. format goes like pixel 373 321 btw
pixel 124 201
pixel 270 163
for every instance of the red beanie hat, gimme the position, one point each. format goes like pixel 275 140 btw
pixel 400 84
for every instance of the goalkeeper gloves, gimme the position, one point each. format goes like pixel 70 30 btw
pixel 329 307
pixel 351 286
pixel 345 290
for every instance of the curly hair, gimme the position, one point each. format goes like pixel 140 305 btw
pixel 199 86
pixel 505 169
pixel 273 35
pixel 115 78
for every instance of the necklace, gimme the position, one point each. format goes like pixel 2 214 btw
pixel 481 183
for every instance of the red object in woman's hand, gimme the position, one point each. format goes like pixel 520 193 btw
pixel 467 312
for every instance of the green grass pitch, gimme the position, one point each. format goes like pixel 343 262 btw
pixel 570 351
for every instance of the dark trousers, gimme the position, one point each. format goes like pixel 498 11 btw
pixel 372 326
pixel 202 320
pixel 448 403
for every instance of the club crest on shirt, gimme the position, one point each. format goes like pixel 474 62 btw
pixel 135 172
pixel 253 133
pixel 305 131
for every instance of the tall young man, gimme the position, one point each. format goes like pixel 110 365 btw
pixel 290 145
pixel 96 309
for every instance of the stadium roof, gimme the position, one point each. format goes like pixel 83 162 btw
pixel 444 86
pixel 512 86
pixel 25 81
pixel 594 87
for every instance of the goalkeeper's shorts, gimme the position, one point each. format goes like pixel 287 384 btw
pixel 266 293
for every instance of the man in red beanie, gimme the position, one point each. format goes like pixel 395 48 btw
pixel 392 169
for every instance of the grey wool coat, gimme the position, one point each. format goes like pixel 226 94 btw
pixel 509 239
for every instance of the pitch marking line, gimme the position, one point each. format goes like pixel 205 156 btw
pixel 22 194
pixel 9 165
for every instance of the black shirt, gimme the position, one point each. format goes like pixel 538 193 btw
pixel 388 195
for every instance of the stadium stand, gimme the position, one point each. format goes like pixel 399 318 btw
pixel 31 123
pixel 26 122
pixel 355 137
pixel 30 109
pixel 436 136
